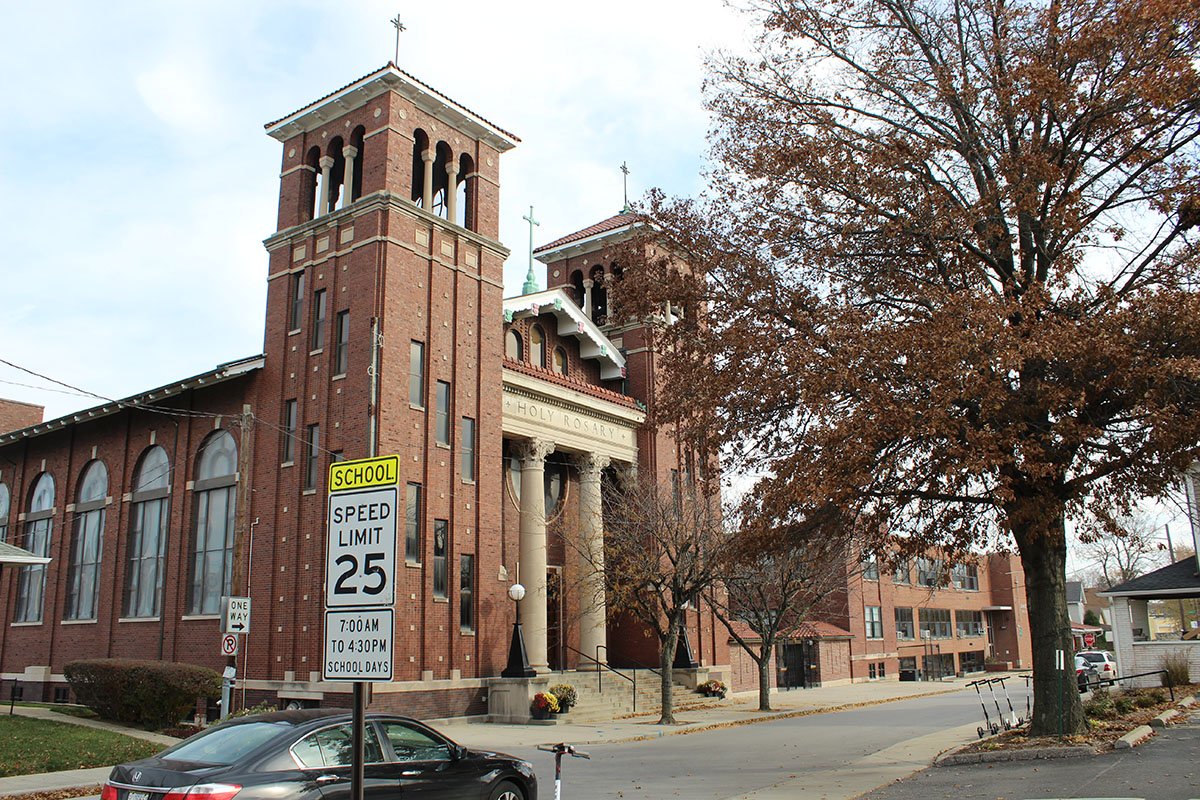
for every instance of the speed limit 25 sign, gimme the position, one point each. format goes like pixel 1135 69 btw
pixel 360 564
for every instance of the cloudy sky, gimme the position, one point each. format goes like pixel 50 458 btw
pixel 138 184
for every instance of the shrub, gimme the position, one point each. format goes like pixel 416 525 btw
pixel 566 694
pixel 1123 704
pixel 1100 706
pixel 1178 672
pixel 261 708
pixel 145 693
pixel 1149 699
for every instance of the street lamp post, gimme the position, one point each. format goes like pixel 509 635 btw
pixel 518 661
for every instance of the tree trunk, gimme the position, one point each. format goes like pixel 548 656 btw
pixel 1038 528
pixel 666 663
pixel 764 679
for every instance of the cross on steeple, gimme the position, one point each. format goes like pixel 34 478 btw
pixel 399 26
pixel 625 180
pixel 531 283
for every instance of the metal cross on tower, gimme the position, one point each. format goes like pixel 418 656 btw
pixel 531 283
pixel 399 26
pixel 625 181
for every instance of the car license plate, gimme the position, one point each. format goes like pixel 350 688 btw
pixel 137 796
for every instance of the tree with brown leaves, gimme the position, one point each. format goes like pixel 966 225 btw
pixel 946 272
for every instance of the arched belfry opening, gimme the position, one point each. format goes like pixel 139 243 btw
pixel 465 212
pixel 420 146
pixel 354 162
pixel 337 174
pixel 577 288
pixel 441 180
pixel 599 295
pixel 311 183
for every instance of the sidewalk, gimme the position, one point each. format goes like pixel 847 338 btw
pixel 737 709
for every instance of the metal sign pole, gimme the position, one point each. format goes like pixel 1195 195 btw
pixel 360 587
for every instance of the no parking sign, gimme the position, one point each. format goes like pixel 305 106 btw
pixel 229 644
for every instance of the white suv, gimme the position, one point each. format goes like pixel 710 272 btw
pixel 1103 661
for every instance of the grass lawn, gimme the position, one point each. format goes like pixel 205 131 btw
pixel 29 746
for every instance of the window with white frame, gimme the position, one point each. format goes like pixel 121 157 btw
pixel 874 619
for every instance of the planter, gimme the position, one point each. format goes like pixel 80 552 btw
pixel 997 666
pixel 541 714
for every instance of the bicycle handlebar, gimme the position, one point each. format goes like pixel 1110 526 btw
pixel 562 748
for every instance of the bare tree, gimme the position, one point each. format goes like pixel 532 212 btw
pixel 663 549
pixel 773 583
pixel 1120 549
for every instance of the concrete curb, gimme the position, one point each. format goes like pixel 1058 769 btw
pixel 1135 737
pixel 1164 719
pixel 1032 754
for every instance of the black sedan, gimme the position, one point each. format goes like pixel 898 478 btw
pixel 306 755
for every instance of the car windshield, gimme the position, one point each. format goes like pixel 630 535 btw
pixel 225 744
pixel 1095 658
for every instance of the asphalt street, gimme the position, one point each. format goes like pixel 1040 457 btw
pixel 832 755
pixel 1167 767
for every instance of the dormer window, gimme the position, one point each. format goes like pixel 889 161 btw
pixel 537 347
pixel 513 347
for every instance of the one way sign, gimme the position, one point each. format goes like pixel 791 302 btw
pixel 237 615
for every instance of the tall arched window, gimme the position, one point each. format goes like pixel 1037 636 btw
pixel 537 346
pixel 560 361
pixel 420 145
pixel 216 504
pixel 83 571
pixel 3 513
pixel 31 580
pixel 148 534
pixel 513 346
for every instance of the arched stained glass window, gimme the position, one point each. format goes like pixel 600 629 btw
pixel 216 504
pixel 148 527
pixel 83 570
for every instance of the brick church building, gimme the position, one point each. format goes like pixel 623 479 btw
pixel 385 325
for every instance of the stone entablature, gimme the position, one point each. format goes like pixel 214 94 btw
pixel 575 421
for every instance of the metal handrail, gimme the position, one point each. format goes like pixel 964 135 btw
pixel 1110 681
pixel 601 666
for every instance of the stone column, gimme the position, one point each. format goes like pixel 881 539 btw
pixel 587 297
pixel 451 191
pixel 427 181
pixel 350 152
pixel 593 608
pixel 326 163
pixel 532 453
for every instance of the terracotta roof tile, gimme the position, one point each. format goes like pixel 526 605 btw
pixel 612 223
pixel 571 382
pixel 412 78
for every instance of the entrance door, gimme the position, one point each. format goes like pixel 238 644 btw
pixel 795 665
pixel 554 620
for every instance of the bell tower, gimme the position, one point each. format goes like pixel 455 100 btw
pixel 382 336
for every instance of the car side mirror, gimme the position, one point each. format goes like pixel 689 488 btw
pixel 458 752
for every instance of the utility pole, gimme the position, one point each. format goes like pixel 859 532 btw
pixel 1171 549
